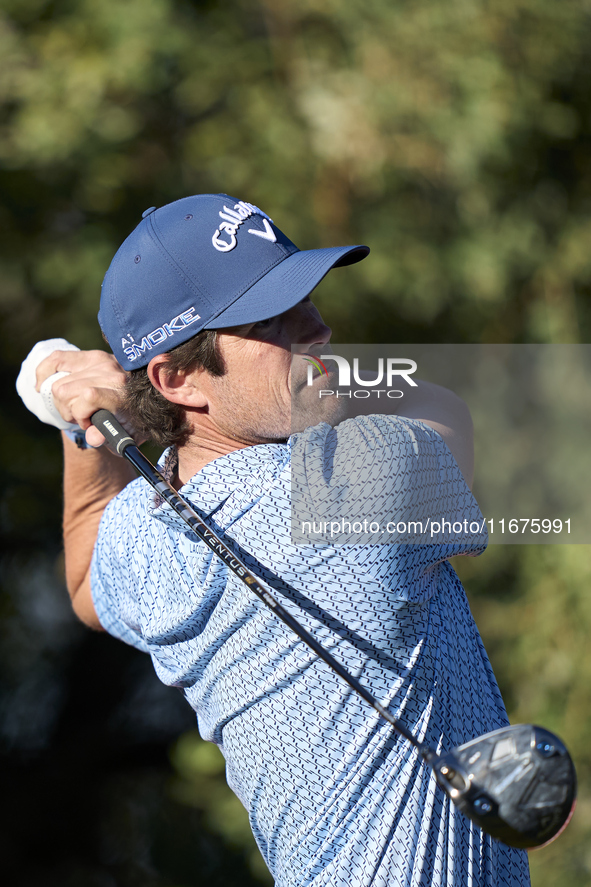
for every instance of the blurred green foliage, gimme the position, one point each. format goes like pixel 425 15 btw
pixel 453 138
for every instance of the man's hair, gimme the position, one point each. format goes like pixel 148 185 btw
pixel 151 414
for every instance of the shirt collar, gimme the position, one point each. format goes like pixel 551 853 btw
pixel 233 481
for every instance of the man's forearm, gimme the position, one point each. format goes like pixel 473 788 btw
pixel 91 479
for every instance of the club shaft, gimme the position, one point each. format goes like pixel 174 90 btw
pixel 125 445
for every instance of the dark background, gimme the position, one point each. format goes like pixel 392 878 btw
pixel 454 139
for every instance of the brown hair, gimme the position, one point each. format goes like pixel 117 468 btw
pixel 151 414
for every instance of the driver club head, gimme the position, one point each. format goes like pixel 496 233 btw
pixel 517 783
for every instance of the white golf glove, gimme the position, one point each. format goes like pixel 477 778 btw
pixel 40 403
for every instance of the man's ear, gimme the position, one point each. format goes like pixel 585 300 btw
pixel 177 387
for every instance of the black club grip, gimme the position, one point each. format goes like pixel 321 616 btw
pixel 114 433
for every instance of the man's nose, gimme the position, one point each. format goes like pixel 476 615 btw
pixel 311 329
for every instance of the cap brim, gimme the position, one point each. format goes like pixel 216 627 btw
pixel 286 284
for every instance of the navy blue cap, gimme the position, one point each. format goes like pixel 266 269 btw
pixel 204 262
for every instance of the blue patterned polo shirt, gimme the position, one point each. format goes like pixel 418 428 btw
pixel 334 796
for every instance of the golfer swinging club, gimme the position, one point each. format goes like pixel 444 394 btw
pixel 201 307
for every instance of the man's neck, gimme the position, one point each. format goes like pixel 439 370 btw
pixel 196 454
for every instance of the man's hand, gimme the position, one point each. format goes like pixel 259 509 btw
pixel 95 381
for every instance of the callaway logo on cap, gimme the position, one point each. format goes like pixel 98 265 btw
pixel 234 217
pixel 204 262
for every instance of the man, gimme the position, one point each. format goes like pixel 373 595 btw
pixel 201 307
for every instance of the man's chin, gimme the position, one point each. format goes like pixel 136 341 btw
pixel 312 407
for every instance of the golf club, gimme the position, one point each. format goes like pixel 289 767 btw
pixel 517 783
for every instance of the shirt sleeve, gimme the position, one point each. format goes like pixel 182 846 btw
pixel 113 577
pixel 382 479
